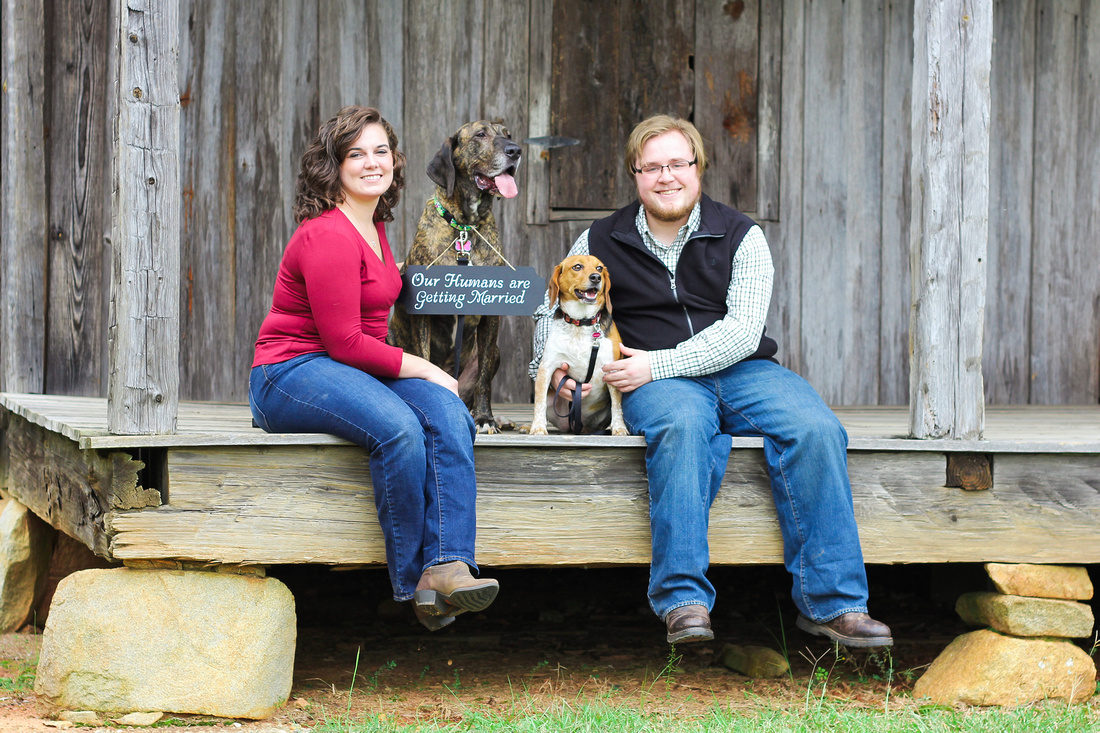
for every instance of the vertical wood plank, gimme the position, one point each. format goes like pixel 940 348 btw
pixel 1086 372
pixel 209 361
pixel 727 37
pixel 586 48
pixel 504 96
pixel 952 51
pixel 276 115
pixel 894 280
pixel 22 198
pixel 1064 325
pixel 824 221
pixel 79 215
pixel 1011 160
pixel 540 40
pixel 862 245
pixel 443 73
pixel 785 316
pixel 769 109
pixel 361 61
pixel 143 384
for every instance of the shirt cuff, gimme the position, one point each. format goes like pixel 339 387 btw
pixel 662 364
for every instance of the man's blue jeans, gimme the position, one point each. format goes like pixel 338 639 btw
pixel 687 423
pixel 420 438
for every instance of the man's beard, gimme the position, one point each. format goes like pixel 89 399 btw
pixel 672 215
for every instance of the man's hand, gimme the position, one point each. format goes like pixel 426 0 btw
pixel 567 391
pixel 630 373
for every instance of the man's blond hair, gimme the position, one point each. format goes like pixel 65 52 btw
pixel 651 127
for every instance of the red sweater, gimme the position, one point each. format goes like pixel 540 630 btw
pixel 332 294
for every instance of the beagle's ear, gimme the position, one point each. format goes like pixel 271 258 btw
pixel 553 288
pixel 607 290
pixel 442 167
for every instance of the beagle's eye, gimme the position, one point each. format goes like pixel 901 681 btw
pixel 578 267
pixel 599 268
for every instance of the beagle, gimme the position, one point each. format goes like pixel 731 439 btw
pixel 581 333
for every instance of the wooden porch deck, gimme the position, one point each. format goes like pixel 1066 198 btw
pixel 221 491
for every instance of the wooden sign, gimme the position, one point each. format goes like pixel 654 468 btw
pixel 454 289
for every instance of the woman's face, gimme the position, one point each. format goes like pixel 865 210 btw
pixel 367 170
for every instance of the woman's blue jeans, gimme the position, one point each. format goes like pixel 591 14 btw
pixel 420 438
pixel 687 423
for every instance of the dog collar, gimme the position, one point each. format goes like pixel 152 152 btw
pixel 582 321
pixel 449 217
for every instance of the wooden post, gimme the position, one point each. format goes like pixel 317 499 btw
pixel 23 199
pixel 143 386
pixel 952 52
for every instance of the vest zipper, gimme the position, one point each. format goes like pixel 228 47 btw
pixel 676 297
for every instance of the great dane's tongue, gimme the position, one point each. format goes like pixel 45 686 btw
pixel 506 185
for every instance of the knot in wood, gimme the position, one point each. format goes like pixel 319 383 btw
pixel 133 38
pixel 151 181
pixel 137 92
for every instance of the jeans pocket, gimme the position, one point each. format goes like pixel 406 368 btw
pixel 259 419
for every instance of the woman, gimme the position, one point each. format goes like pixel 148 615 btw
pixel 322 365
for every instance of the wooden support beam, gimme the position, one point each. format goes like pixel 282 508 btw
pixel 952 52
pixel 143 386
pixel 22 199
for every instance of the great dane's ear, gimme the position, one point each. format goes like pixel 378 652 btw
pixel 554 288
pixel 442 168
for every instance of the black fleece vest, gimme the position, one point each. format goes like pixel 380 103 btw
pixel 648 312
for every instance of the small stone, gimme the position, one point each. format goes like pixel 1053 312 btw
pixel 58 723
pixel 1020 616
pixel 139 718
pixel 988 668
pixel 87 717
pixel 301 703
pixel 754 661
pixel 1041 581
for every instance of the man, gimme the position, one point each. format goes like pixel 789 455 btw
pixel 693 281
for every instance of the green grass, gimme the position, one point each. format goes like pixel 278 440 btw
pixel 21 682
pixel 829 717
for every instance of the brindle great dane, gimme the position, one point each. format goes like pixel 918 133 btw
pixel 475 165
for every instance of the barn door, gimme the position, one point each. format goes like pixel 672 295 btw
pixel 616 62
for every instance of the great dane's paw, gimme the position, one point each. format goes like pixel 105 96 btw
pixel 620 431
pixel 487 427
pixel 534 430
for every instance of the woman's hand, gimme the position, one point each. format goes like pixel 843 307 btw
pixel 413 367
pixel 561 373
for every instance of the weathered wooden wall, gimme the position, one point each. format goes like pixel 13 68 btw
pixel 832 84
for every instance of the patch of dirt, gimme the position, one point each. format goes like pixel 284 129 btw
pixel 565 637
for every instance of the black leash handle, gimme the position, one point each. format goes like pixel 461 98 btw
pixel 576 423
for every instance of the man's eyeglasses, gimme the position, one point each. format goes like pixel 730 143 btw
pixel 676 166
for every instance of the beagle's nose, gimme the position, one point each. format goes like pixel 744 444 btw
pixel 595 277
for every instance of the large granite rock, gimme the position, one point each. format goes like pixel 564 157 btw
pixel 26 543
pixel 1021 616
pixel 988 668
pixel 1041 581
pixel 121 640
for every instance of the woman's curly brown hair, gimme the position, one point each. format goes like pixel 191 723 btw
pixel 319 188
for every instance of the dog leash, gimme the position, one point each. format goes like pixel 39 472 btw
pixel 576 422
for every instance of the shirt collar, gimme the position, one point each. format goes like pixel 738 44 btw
pixel 686 230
